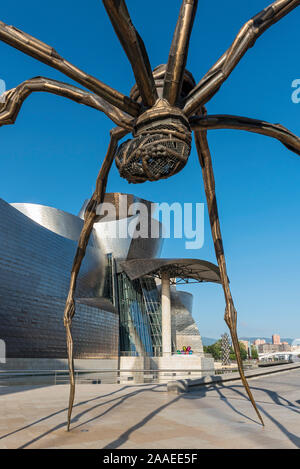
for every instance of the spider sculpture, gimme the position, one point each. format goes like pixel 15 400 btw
pixel 163 109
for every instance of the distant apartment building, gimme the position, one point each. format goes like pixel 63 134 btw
pixel 245 343
pixel 259 342
pixel 271 348
pixel 286 347
pixel 275 339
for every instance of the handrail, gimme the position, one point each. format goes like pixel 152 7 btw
pixel 116 370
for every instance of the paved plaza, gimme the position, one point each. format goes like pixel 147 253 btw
pixel 146 416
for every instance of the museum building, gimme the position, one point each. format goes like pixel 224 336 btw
pixel 127 302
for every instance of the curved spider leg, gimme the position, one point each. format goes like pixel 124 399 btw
pixel 89 220
pixel 223 121
pixel 12 100
pixel 246 38
pixel 230 312
pixel 179 51
pixel 46 54
pixel 134 48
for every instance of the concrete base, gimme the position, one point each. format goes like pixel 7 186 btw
pixel 164 369
pixel 182 367
pixel 45 372
pixel 132 369
pixel 41 364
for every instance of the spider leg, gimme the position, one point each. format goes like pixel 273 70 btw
pixel 223 121
pixel 246 38
pixel 13 99
pixel 179 51
pixel 89 220
pixel 135 49
pixel 46 54
pixel 230 312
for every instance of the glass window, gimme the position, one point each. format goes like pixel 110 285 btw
pixel 140 316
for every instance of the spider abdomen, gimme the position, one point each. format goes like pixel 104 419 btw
pixel 160 147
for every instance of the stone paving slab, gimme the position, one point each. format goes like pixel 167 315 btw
pixel 147 416
pixel 190 385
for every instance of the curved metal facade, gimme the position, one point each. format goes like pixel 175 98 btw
pixel 58 221
pixel 35 268
pixel 125 246
pixel 37 247
pixel 185 330
pixel 196 269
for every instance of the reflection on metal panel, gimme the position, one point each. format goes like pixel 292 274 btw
pixel 112 236
pixel 35 268
pixel 127 235
pixel 60 222
pixel 149 247
pixel 123 204
pixel 122 238
pixel 186 330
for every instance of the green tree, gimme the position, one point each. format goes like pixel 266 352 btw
pixel 243 351
pixel 254 353
pixel 214 350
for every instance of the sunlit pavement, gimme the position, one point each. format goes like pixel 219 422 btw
pixel 116 416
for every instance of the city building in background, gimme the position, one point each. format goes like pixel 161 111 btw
pixel 259 342
pixel 270 348
pixel 277 350
pixel 275 339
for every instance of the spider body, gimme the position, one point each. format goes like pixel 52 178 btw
pixel 160 147
pixel 162 135
pixel 159 75
pixel 163 108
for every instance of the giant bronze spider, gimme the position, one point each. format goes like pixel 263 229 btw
pixel 164 107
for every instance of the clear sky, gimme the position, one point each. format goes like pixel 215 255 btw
pixel 53 152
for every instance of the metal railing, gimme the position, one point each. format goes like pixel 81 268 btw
pixel 106 376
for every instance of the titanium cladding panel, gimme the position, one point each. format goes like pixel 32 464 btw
pixel 184 326
pixel 34 277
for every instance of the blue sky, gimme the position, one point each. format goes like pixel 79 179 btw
pixel 53 152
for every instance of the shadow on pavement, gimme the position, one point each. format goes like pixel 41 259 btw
pixel 200 394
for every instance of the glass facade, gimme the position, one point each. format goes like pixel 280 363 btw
pixel 139 306
pixel 152 303
pixel 140 316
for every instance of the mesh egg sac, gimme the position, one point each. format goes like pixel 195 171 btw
pixel 156 153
